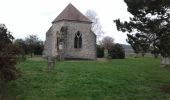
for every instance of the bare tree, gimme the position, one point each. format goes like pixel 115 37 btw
pixel 96 26
pixel 107 42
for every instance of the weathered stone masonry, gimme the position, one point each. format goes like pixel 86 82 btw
pixel 60 38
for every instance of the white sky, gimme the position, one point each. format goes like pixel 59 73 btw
pixel 24 17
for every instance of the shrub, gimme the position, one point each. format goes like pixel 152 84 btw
pixel 8 56
pixel 100 51
pixel 38 49
pixel 117 52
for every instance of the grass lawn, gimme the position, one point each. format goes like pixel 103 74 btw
pixel 129 79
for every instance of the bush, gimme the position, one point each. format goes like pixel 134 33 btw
pixel 100 51
pixel 38 49
pixel 8 56
pixel 117 52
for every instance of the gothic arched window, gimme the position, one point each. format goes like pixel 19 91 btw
pixel 78 40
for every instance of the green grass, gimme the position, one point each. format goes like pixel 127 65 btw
pixel 129 79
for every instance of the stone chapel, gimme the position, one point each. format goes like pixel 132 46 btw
pixel 70 36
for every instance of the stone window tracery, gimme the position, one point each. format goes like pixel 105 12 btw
pixel 78 40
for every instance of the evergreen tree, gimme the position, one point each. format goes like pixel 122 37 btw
pixel 151 22
pixel 100 51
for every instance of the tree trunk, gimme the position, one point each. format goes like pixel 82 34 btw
pixel 165 61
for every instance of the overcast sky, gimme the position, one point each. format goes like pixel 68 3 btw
pixel 24 17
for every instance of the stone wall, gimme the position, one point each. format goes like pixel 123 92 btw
pixel 88 50
pixel 49 45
